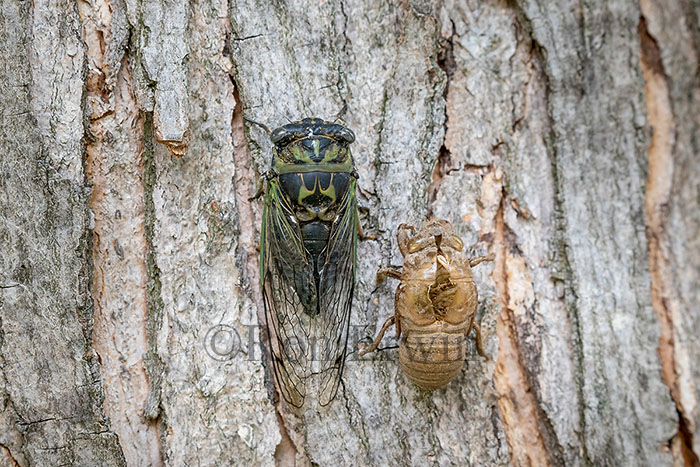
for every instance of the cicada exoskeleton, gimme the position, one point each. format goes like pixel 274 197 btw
pixel 307 256
pixel 435 303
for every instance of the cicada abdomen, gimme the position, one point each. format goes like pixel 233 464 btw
pixel 307 256
pixel 435 304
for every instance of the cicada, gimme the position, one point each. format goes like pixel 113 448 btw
pixel 435 303
pixel 307 256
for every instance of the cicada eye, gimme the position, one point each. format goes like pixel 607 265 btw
pixel 454 242
pixel 420 243
pixel 279 134
pixel 346 135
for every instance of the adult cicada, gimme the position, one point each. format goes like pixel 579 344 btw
pixel 435 303
pixel 307 256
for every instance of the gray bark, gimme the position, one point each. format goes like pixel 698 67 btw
pixel 562 138
pixel 50 386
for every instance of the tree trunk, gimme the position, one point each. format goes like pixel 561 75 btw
pixel 564 139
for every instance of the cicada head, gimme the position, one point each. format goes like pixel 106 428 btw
pixel 420 248
pixel 311 145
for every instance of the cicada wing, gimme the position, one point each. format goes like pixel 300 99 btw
pixel 288 289
pixel 336 286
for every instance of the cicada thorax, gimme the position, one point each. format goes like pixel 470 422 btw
pixel 435 305
pixel 315 198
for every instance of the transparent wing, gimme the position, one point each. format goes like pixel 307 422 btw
pixel 287 280
pixel 307 344
pixel 336 286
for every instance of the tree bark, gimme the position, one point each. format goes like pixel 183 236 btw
pixel 562 138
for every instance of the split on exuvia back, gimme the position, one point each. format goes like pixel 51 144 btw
pixel 308 253
pixel 435 303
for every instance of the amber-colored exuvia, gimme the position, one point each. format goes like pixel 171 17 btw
pixel 435 303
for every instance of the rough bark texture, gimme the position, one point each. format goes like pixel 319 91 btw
pixel 563 138
pixel 51 392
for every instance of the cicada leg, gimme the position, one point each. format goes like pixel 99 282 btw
pixel 261 189
pixel 391 271
pixel 261 184
pixel 404 237
pixel 379 337
pixel 480 259
pixel 479 342
pixel 361 234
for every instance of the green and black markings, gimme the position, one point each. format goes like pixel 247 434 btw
pixel 307 256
